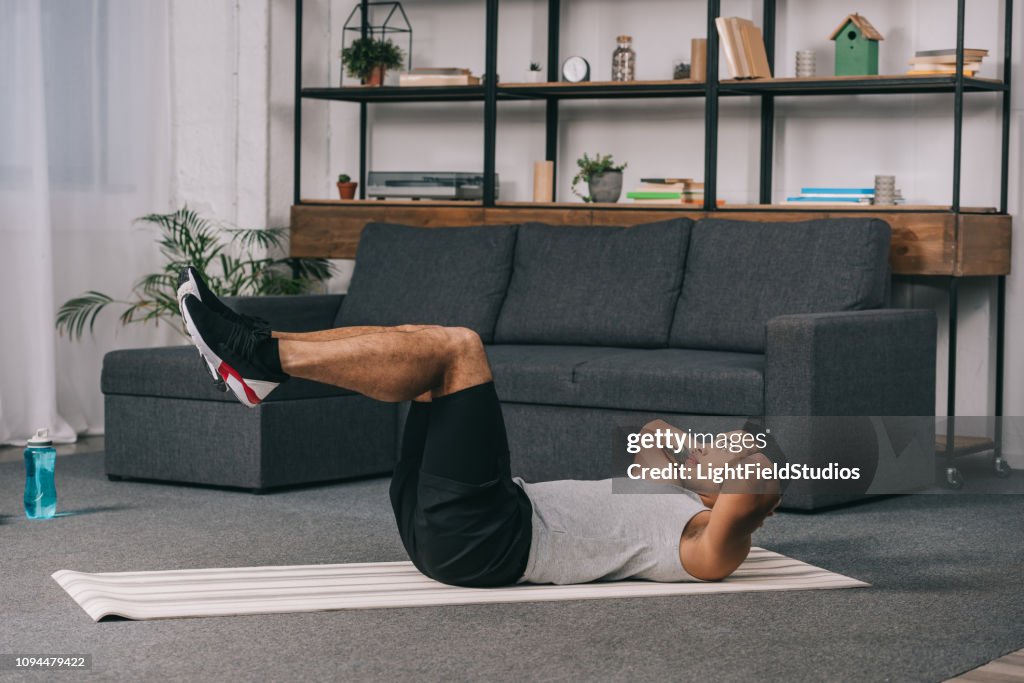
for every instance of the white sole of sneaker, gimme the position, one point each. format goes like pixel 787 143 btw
pixel 249 392
pixel 190 288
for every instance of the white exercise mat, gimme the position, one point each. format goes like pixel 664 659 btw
pixel 319 587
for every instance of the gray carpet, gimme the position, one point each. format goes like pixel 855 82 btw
pixel 947 575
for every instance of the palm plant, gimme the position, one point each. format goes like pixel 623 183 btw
pixel 233 261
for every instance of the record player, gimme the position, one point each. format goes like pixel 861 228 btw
pixel 447 185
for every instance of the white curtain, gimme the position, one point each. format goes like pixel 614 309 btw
pixel 84 149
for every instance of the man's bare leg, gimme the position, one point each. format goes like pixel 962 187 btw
pixel 345 332
pixel 336 333
pixel 392 365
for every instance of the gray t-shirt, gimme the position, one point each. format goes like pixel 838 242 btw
pixel 583 532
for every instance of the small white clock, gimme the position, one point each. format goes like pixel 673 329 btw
pixel 576 70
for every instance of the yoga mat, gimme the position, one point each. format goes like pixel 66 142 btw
pixel 320 587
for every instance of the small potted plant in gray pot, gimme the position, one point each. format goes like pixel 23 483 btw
pixel 603 177
pixel 346 187
pixel 369 58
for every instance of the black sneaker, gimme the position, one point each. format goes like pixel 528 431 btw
pixel 245 358
pixel 191 282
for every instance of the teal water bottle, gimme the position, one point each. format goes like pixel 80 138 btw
pixel 40 492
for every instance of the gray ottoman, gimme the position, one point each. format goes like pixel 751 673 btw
pixel 166 421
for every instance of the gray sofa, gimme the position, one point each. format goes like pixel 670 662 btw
pixel 586 329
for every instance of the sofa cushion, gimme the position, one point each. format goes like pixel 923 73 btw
pixel 527 373
pixel 674 380
pixel 740 274
pixel 178 372
pixel 603 286
pixel 442 276
pixel 669 380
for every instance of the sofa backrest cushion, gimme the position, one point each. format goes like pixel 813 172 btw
pixel 438 276
pixel 605 286
pixel 740 274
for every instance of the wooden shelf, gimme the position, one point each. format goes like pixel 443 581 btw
pixel 601 90
pixel 812 208
pixel 384 203
pixel 628 206
pixel 584 206
pixel 833 85
pixel 856 85
pixel 832 208
pixel 392 93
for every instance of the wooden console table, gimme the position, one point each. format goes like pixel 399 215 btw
pixel 926 241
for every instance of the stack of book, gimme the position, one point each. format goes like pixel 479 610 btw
pixel 833 195
pixel 744 47
pixel 837 195
pixel 437 76
pixel 943 62
pixel 674 191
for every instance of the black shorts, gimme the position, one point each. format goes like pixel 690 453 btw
pixel 462 519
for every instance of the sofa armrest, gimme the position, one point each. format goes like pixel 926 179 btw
pixel 300 313
pixel 874 362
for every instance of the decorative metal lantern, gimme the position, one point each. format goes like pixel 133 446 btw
pixel 395 21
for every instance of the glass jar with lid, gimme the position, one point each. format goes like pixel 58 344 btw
pixel 624 60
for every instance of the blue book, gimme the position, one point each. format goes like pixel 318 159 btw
pixel 825 200
pixel 837 190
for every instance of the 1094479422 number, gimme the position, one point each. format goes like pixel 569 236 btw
pixel 14 662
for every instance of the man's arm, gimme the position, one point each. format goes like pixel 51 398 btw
pixel 715 543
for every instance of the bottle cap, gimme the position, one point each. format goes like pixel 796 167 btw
pixel 42 438
pixel 624 39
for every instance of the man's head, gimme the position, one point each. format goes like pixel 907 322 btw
pixel 744 474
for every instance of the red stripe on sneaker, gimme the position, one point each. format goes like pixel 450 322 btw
pixel 226 370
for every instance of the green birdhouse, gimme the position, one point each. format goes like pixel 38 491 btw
pixel 856 47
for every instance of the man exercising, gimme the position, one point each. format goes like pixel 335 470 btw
pixel 462 517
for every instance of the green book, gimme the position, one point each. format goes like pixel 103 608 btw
pixel 654 194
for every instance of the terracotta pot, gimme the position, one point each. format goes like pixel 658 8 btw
pixel 347 190
pixel 376 77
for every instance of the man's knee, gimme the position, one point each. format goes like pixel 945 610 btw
pixel 464 341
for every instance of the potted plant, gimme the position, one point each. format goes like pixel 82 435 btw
pixel 534 75
pixel 369 58
pixel 233 261
pixel 346 188
pixel 603 177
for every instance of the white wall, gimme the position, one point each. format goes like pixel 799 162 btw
pixel 234 146
pixel 219 99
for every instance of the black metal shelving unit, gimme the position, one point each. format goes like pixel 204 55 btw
pixel 711 90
